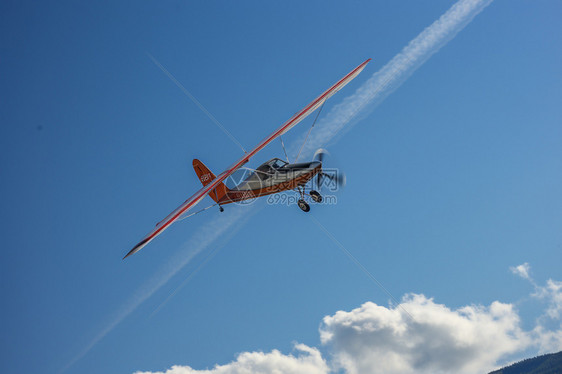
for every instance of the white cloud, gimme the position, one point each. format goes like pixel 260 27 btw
pixel 549 339
pixel 522 271
pixel 552 292
pixel 546 340
pixel 436 339
pixel 308 360
pixel 419 336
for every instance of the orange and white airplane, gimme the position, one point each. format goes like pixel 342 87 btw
pixel 271 177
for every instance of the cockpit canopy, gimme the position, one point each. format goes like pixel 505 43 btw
pixel 268 168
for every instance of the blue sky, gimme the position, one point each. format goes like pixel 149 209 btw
pixel 452 180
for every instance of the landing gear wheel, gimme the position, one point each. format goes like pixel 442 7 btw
pixel 316 197
pixel 303 205
pixel 221 209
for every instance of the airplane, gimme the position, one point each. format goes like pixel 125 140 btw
pixel 271 177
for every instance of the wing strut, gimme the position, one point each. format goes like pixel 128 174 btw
pixel 181 218
pixel 310 130
pixel 284 150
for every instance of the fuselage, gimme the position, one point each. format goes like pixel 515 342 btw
pixel 272 177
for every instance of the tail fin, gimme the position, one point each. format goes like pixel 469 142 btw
pixel 206 176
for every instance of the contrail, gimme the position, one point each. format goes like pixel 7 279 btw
pixel 394 73
pixel 228 222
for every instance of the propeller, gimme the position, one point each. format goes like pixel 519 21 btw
pixel 336 176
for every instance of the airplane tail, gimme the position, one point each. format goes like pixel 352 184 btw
pixel 206 176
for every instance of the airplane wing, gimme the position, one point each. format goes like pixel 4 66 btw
pixel 199 195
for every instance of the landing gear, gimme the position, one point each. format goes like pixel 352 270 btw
pixel 221 209
pixel 303 205
pixel 316 197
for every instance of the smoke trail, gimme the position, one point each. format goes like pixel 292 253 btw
pixel 228 222
pixel 394 73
